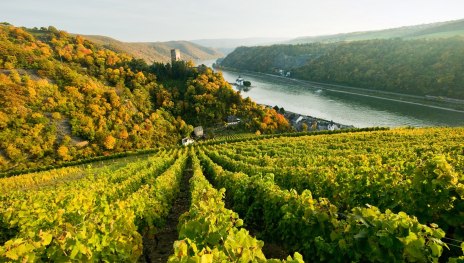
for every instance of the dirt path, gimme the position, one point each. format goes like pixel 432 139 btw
pixel 160 249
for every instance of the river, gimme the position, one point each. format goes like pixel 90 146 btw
pixel 359 110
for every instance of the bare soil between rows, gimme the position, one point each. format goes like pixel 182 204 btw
pixel 161 247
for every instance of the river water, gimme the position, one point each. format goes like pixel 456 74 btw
pixel 344 108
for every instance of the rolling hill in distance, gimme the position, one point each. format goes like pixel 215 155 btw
pixel 204 49
pixel 433 30
pixel 157 51
pixel 423 31
pixel 227 45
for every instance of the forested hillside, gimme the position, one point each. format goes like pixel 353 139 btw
pixel 419 67
pixel 157 51
pixel 63 98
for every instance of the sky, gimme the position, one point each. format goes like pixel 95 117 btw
pixel 163 20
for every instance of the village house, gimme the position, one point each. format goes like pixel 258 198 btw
pixel 232 120
pixel 187 141
pixel 198 131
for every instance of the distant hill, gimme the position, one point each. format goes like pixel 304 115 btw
pixel 424 31
pixel 157 51
pixel 227 45
pixel 433 30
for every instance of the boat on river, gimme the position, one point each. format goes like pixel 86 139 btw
pixel 239 81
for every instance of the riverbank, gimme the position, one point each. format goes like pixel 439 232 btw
pixel 453 105
pixel 301 122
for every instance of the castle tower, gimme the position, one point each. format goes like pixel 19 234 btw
pixel 175 55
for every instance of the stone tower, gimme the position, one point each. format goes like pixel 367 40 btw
pixel 175 55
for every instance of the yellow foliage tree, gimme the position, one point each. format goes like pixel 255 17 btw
pixel 3 162
pixel 109 142
pixel 304 127
pixel 123 134
pixel 13 152
pixel 4 120
pixel 63 153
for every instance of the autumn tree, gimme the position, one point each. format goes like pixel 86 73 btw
pixel 109 142
pixel 63 153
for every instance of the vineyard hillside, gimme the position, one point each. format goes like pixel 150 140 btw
pixel 370 195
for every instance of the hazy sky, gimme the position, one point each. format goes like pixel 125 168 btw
pixel 157 20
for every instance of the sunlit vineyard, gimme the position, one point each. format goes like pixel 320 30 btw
pixel 375 196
